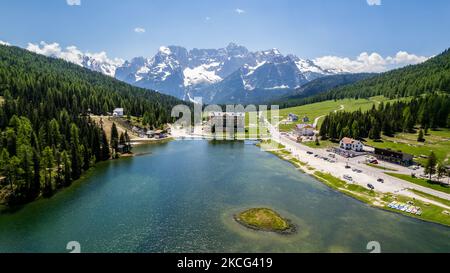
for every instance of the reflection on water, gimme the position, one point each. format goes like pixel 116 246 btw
pixel 181 198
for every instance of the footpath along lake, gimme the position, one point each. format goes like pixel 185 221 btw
pixel 181 197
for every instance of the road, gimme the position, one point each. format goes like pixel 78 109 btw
pixel 316 120
pixel 368 175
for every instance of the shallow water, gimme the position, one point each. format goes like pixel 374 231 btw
pixel 181 198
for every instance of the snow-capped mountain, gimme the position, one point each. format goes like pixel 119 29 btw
pixel 94 61
pixel 100 64
pixel 230 74
pixel 163 72
pixel 213 73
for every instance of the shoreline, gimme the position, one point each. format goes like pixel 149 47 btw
pixel 377 200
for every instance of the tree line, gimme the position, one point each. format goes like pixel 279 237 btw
pixel 410 81
pixel 428 112
pixel 47 139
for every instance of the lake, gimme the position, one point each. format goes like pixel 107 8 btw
pixel 181 197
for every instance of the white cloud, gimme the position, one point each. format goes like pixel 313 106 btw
pixel 73 2
pixel 207 18
pixel 374 2
pixel 4 43
pixel 366 62
pixel 99 61
pixel 239 11
pixel 404 58
pixel 139 30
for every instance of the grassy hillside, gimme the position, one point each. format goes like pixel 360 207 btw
pixel 435 141
pixel 321 85
pixel 29 76
pixel 319 109
pixel 430 76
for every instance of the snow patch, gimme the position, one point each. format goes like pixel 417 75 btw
pixel 201 74
pixel 247 85
pixel 165 50
pixel 305 67
pixel 278 87
pixel 143 70
pixel 254 68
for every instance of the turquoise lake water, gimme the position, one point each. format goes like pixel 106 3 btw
pixel 181 198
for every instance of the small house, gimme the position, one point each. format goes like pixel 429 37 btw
pixel 123 149
pixel 304 130
pixel 118 112
pixel 351 144
pixel 159 134
pixel 292 117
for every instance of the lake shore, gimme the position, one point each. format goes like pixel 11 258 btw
pixel 433 210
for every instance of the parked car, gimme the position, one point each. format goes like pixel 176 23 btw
pixel 370 186
pixel 380 180
pixel 348 177
pixel 347 167
pixel 374 162
pixel 332 155
pixel 310 153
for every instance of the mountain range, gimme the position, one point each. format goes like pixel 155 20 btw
pixel 227 75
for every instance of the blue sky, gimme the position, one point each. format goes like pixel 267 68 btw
pixel 309 29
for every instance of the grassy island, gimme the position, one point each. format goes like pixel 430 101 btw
pixel 265 219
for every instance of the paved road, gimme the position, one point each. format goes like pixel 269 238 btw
pixel 369 174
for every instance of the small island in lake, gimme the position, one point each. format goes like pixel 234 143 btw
pixel 264 219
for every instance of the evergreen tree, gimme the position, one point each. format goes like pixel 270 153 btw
pixel 114 137
pixel 36 186
pixel 420 137
pixel 67 169
pixel 430 166
pixel 43 120
pixel 76 152
pixel 441 171
pixel 105 152
pixel 48 164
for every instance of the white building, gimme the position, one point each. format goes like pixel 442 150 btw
pixel 351 144
pixel 118 112
pixel 236 119
pixel 304 129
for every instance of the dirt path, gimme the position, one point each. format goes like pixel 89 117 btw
pixel 341 108
pixel 316 120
